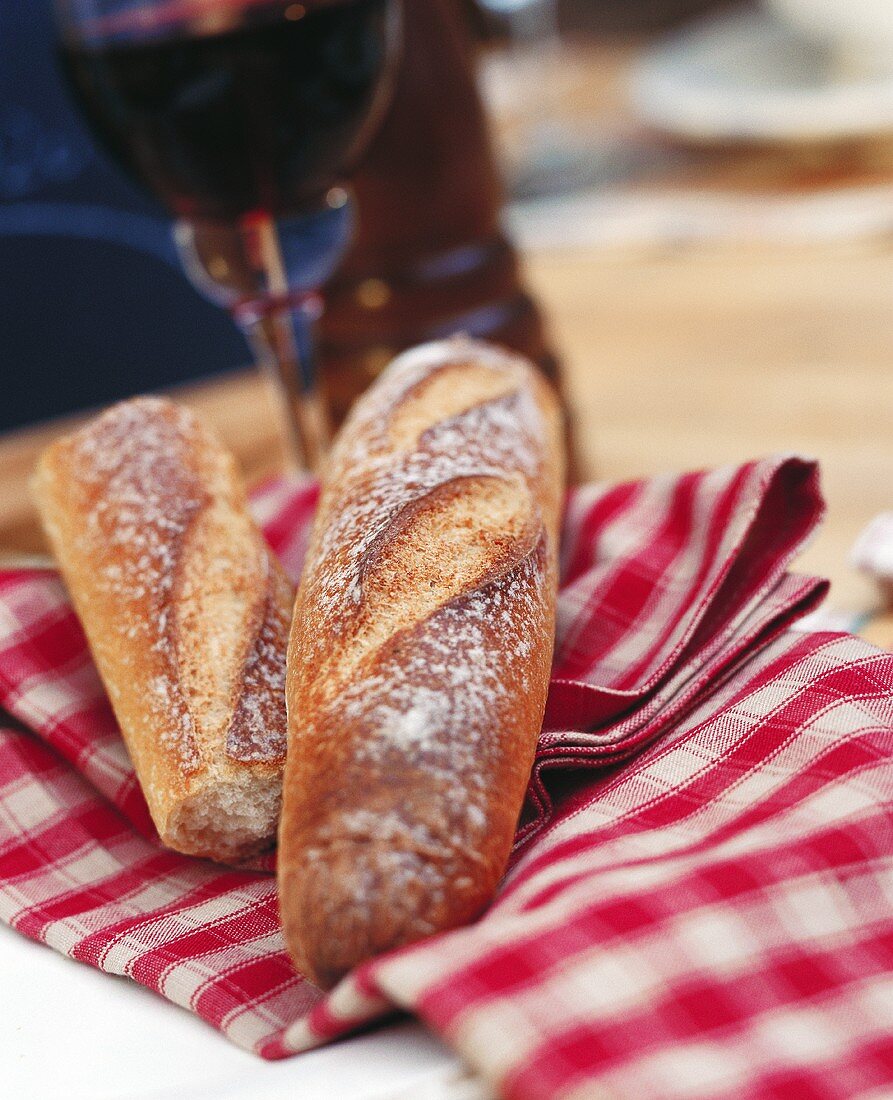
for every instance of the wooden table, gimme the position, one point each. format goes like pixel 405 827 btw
pixel 688 360
pixel 673 361
pixel 675 356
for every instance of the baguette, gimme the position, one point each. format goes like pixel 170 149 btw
pixel 420 654
pixel 186 612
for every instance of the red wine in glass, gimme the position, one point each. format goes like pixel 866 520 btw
pixel 241 116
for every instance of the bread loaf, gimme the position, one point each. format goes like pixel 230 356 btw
pixel 187 615
pixel 420 653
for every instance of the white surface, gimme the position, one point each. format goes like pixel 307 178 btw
pixel 68 1030
pixel 746 76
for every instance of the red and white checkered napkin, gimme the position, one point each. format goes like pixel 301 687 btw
pixel 701 900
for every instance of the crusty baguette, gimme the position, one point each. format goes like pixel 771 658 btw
pixel 420 654
pixel 187 615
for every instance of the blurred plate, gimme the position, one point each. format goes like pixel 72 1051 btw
pixel 746 76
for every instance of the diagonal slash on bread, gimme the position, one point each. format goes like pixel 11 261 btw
pixel 419 658
pixel 187 615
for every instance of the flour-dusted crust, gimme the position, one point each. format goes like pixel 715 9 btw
pixel 187 614
pixel 420 654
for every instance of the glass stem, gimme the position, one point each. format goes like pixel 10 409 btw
pixel 266 272
pixel 281 336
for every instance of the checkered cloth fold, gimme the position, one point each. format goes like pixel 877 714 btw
pixel 700 902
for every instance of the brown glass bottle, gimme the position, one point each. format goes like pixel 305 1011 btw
pixel 430 257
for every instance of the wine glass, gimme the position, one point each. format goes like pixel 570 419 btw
pixel 243 117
